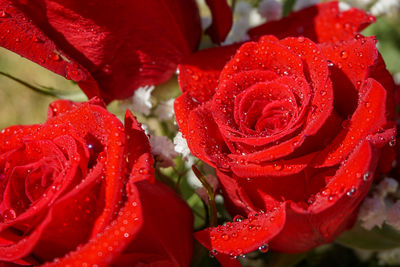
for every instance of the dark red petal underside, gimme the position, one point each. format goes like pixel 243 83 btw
pixel 241 237
pixel 120 48
pixel 221 20
pixel 321 23
pixel 22 36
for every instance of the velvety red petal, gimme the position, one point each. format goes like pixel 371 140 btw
pixel 236 199
pixel 350 63
pixel 323 22
pixel 137 142
pixel 221 20
pixel 241 237
pixel 198 80
pixel 315 66
pixel 119 48
pixel 105 127
pixel 167 232
pixel 271 153
pixel 278 168
pixel 333 209
pixel 109 244
pixel 22 36
pixel 368 118
pixel 205 140
pixel 267 54
pixel 383 76
pixel 224 99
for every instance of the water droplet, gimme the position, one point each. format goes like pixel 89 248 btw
pixel 238 218
pixel 212 253
pixel 56 57
pixel 3 14
pixel 278 167
pixel 225 237
pixel 263 248
pixel 326 191
pixel 300 39
pixel 366 176
pixel 351 191
pixel 392 142
pixel 344 54
pixel 9 214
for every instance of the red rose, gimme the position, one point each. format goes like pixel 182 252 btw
pixel 109 47
pixel 294 127
pixel 80 190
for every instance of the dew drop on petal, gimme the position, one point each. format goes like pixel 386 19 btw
pixel 263 248
pixel 344 54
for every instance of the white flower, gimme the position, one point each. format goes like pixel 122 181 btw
pixel 389 257
pixel 300 4
pixel 181 145
pixel 372 212
pixel 163 150
pixel 245 17
pixel 165 110
pixel 385 7
pixel 141 100
pixel 343 6
pixel 387 186
pixel 393 216
pixel 270 9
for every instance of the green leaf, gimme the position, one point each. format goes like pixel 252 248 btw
pixel 375 239
pixel 71 95
pixel 288 7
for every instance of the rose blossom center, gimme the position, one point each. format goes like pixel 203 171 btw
pixel 266 108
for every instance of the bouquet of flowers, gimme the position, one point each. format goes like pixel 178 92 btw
pixel 199 133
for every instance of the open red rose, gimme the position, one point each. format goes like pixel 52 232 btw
pixel 110 48
pixel 294 127
pixel 80 190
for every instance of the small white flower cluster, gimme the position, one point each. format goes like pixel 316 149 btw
pixel 385 7
pixel 246 17
pixel 163 150
pixel 300 4
pixel 378 7
pixel 140 101
pixel 382 206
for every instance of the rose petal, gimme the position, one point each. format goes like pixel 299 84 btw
pixel 221 20
pixel 368 118
pixel 352 60
pixel 167 219
pixel 120 53
pixel 278 168
pixel 323 22
pixel 22 36
pixel 103 248
pixel 241 237
pixel 210 149
pixel 333 209
pixel 198 79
